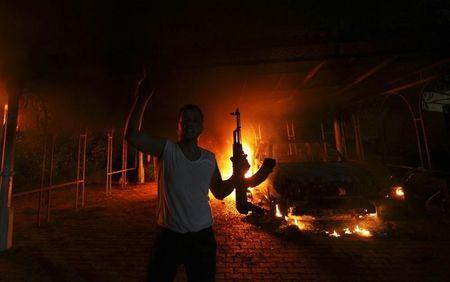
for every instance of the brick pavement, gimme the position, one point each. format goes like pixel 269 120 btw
pixel 110 240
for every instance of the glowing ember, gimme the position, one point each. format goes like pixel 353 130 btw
pixel 277 211
pixel 306 223
pixel 362 232
pixel 303 222
pixel 301 225
pixel 399 193
pixel 335 234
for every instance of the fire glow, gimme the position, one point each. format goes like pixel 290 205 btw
pixel 357 230
pixel 305 223
pixel 302 222
pixel 398 192
pixel 226 167
pixel 278 212
pixel 335 234
pixel 362 232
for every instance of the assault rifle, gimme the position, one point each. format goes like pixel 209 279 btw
pixel 241 183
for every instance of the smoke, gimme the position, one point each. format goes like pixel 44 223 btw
pixel 264 109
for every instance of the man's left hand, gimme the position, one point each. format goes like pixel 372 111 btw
pixel 240 166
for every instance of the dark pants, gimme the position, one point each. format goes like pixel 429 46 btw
pixel 195 250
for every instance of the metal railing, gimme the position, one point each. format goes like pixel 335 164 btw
pixel 44 201
pixel 109 163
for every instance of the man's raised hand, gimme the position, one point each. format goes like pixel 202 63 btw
pixel 146 84
pixel 141 141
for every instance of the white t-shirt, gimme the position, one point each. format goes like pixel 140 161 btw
pixel 183 185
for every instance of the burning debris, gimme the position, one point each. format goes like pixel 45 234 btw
pixel 335 234
pixel 397 193
pixel 362 232
pixel 326 197
pixel 278 212
pixel 317 191
pixel 307 223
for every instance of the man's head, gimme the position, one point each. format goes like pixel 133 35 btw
pixel 190 122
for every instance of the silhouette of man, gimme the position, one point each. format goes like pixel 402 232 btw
pixel 186 173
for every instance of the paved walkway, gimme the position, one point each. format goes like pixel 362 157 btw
pixel 110 240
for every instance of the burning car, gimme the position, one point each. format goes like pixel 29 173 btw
pixel 308 185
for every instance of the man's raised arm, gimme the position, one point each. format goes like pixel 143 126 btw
pixel 133 135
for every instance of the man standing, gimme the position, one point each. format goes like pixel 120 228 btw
pixel 186 173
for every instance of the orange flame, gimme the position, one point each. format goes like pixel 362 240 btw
pixel 226 167
pixel 362 232
pixel 303 222
pixel 399 193
pixel 335 234
pixel 278 212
